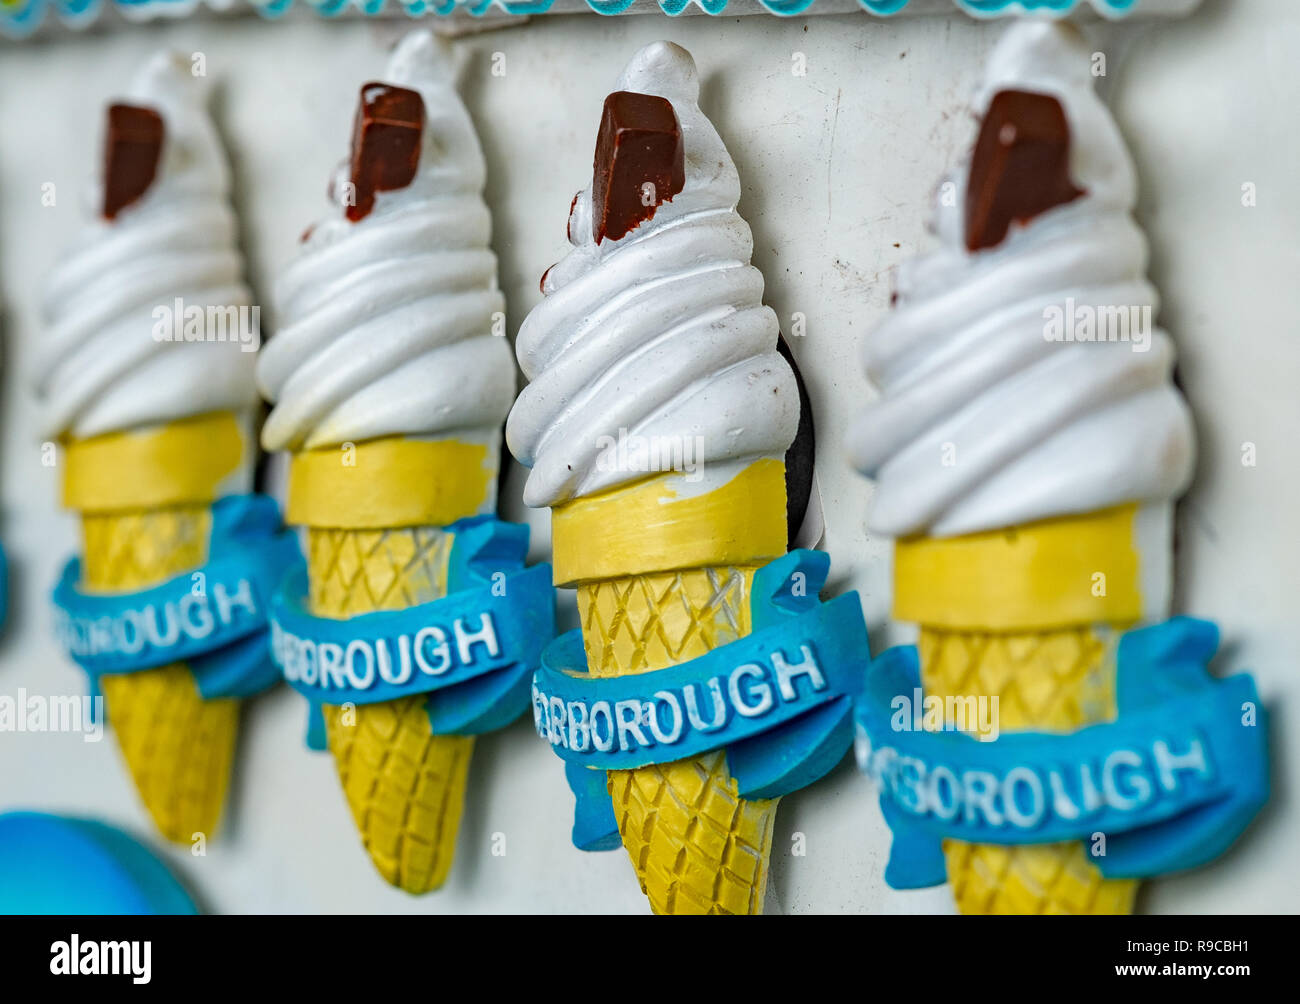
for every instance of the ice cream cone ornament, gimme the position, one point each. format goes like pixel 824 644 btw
pixel 707 680
pixel 146 378
pixel 1027 448
pixel 416 626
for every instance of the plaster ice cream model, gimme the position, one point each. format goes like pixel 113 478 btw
pixel 653 331
pixel 390 391
pixel 155 428
pixel 1026 460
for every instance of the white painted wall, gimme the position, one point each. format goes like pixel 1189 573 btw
pixel 838 168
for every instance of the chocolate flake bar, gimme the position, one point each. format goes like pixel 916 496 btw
pixel 386 138
pixel 640 144
pixel 1021 166
pixel 132 149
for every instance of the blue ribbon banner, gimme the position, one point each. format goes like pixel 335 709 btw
pixel 778 700
pixel 473 651
pixel 213 619
pixel 1169 784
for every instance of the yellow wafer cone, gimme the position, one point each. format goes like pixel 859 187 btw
pixel 145 499
pixel 1032 616
pixel 697 847
pixel 375 514
pixel 404 785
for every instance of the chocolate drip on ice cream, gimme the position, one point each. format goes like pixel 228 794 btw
pixel 640 143
pixel 385 143
pixel 1020 168
pixel 132 149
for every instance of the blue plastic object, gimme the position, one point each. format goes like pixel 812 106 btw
pixel 58 865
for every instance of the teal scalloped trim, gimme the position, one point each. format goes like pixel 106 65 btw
pixel 24 17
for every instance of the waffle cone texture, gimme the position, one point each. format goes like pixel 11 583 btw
pixel 404 785
pixel 178 747
pixel 1055 681
pixel 697 847
pixel 1049 679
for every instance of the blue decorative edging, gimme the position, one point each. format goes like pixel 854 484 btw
pixel 25 16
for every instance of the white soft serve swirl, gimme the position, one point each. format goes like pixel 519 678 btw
pixel 661 333
pixel 100 368
pixel 1029 428
pixel 387 322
